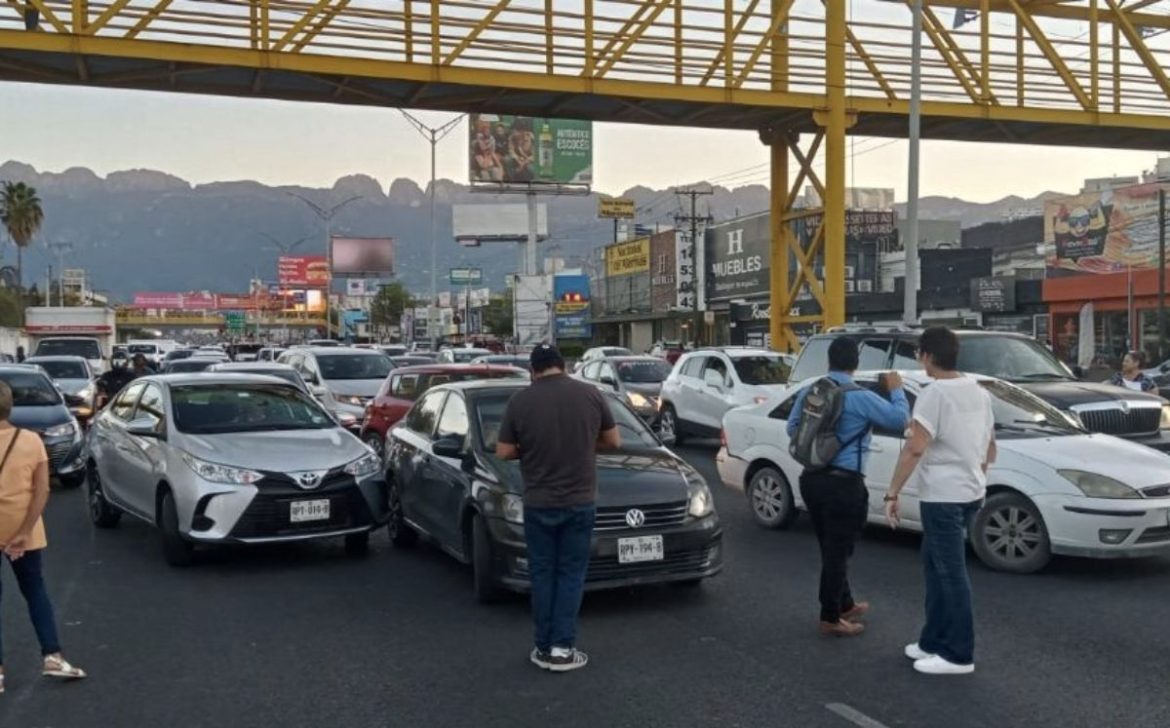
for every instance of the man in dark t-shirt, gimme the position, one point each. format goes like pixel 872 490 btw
pixel 555 428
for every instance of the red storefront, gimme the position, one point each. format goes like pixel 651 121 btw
pixel 1109 294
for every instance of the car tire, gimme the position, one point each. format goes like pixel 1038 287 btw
pixel 770 498
pixel 487 588
pixel 374 441
pixel 1008 534
pixel 101 513
pixel 400 532
pixel 177 550
pixel 357 545
pixel 668 424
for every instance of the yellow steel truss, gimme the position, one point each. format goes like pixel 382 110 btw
pixel 1074 72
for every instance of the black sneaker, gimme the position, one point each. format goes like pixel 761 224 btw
pixel 566 659
pixel 540 659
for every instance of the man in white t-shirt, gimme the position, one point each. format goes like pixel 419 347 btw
pixel 951 445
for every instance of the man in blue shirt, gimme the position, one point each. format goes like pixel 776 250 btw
pixel 836 497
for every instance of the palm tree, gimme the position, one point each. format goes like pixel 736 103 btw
pixel 21 215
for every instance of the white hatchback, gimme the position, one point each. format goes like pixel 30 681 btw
pixel 1055 488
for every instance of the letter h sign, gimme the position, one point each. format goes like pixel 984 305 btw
pixel 734 243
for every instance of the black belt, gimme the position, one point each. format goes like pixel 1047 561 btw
pixel 842 473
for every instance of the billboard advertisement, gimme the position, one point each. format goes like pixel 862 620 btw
pixel 1103 232
pixel 158 300
pixel 503 222
pixel 507 149
pixel 363 257
pixel 310 271
pixel 571 307
pixel 625 258
pixel 617 208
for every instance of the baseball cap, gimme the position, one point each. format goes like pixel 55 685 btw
pixel 545 356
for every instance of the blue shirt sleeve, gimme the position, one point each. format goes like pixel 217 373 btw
pixel 794 415
pixel 891 415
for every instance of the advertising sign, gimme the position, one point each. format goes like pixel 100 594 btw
pixel 198 301
pixel 466 276
pixel 684 257
pixel 571 307
pixel 618 208
pixel 158 300
pixel 368 257
pixel 994 295
pixel 737 258
pixel 625 258
pixel 235 321
pixel 310 271
pixel 356 287
pixel 507 149
pixel 1103 232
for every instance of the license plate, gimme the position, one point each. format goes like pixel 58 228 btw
pixel 308 510
pixel 640 548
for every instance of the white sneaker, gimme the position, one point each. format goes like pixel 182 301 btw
pixel 935 665
pixel 914 652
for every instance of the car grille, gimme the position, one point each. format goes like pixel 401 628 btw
pixel 58 453
pixel 1155 535
pixel 677 562
pixel 1157 491
pixel 267 515
pixel 660 515
pixel 1114 421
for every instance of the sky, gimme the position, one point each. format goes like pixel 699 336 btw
pixel 207 139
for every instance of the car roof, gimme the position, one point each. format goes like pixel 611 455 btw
pixel 12 367
pixel 61 357
pixel 479 385
pixel 734 351
pixel 210 379
pixel 352 350
pixel 910 333
pixel 636 357
pixel 251 366
pixel 445 368
pixel 912 376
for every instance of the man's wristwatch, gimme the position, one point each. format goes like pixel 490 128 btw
pixel 887 498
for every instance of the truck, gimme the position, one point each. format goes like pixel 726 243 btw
pixel 86 331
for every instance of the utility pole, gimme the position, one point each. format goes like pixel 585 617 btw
pixel 910 247
pixel 433 135
pixel 697 257
pixel 326 216
pixel 1161 274
pixel 59 249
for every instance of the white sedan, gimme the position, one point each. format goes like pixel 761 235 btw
pixel 1055 488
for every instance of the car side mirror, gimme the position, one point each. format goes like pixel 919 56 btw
pixel 450 446
pixel 609 381
pixel 143 427
pixel 72 400
pixel 1078 372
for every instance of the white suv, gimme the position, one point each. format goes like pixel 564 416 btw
pixel 706 383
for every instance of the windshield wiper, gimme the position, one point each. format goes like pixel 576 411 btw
pixel 1042 375
pixel 1045 424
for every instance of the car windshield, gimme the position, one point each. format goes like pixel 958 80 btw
pixel 354 366
pixel 615 351
pixel 84 348
pixel 489 413
pixel 180 354
pixel 185 366
pixel 288 375
pixel 1009 357
pixel 643 372
pixel 464 356
pixel 761 369
pixel 247 348
pixel 63 369
pixel 1015 409
pixel 142 348
pixel 410 361
pixel 31 389
pixel 222 408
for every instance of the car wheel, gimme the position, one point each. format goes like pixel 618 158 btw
pixel 487 589
pixel 770 498
pixel 101 513
pixel 400 532
pixel 375 442
pixel 668 424
pixel 177 550
pixel 357 544
pixel 1008 534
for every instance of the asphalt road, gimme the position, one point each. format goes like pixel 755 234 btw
pixel 304 636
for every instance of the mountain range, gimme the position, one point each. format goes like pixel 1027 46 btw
pixel 145 230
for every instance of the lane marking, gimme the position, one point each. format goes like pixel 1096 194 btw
pixel 854 716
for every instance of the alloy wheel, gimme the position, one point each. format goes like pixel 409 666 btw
pixel 768 497
pixel 1013 534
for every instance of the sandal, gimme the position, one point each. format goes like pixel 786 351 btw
pixel 58 667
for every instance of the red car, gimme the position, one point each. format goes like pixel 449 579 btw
pixel 406 384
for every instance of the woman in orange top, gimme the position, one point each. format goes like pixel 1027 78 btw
pixel 24 491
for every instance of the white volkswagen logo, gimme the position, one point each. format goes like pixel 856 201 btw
pixel 308 479
pixel 1124 404
pixel 635 518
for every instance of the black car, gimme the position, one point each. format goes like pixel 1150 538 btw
pixel 446 484
pixel 1101 407
pixel 636 378
pixel 38 405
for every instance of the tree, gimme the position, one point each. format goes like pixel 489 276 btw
pixel 497 317
pixel 388 306
pixel 22 216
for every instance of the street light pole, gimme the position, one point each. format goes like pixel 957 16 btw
pixel 433 135
pixel 326 216
pixel 910 247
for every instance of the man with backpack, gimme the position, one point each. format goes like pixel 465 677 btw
pixel 829 433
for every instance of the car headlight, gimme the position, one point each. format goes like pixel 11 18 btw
pixel 62 430
pixel 1166 417
pixel 701 503
pixel 1095 485
pixel 86 392
pixel 352 399
pixel 513 508
pixel 217 473
pixel 640 400
pixel 367 464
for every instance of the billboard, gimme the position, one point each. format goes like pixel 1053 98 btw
pixel 1103 232
pixel 507 149
pixel 356 287
pixel 625 258
pixel 158 300
pixel 505 223
pixel 363 257
pixel 311 271
pixel 466 276
pixel 617 208
pixel 571 307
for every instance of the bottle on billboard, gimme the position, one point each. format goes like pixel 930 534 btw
pixel 545 151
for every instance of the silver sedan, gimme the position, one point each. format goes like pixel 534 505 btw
pixel 231 458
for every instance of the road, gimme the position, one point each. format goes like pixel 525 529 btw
pixel 303 636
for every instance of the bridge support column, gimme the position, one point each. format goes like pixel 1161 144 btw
pixel 835 119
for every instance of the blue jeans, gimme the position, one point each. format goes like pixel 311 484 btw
pixel 558 558
pixel 40 610
pixel 950 621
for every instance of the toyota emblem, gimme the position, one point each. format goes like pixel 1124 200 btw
pixel 308 480
pixel 635 518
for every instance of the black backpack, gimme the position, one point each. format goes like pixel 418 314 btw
pixel 815 443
